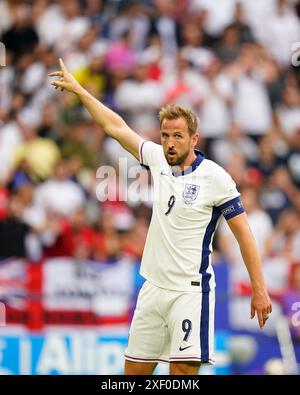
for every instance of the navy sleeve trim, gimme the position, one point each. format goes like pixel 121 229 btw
pixel 141 153
pixel 145 167
pixel 232 208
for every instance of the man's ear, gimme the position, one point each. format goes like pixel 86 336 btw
pixel 195 138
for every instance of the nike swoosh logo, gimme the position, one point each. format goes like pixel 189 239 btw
pixel 164 174
pixel 184 348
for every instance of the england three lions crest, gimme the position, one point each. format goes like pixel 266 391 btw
pixel 190 192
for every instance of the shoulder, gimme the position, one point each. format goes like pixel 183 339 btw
pixel 147 144
pixel 214 170
pixel 222 186
pixel 151 153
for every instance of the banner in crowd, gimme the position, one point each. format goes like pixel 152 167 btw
pixel 14 291
pixel 13 286
pixel 62 291
pixel 96 292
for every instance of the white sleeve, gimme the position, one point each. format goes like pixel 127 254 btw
pixel 226 196
pixel 151 154
pixel 223 187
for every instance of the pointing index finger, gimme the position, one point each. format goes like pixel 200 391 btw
pixel 260 319
pixel 62 65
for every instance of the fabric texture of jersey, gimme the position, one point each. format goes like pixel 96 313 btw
pixel 187 208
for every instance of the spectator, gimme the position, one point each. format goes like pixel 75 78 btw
pixel 41 154
pixel 82 143
pixel 240 23
pixel 69 24
pixel 274 195
pixel 193 49
pixel 94 10
pixel 107 240
pixel 229 47
pixel 232 143
pixel 139 99
pixel 10 140
pixel 6 12
pixel 21 37
pixel 218 15
pixel 71 234
pixel 286 238
pixel 288 111
pixel 166 26
pixel 251 108
pixel 121 55
pixel 48 126
pixel 267 161
pixel 13 231
pixel 217 98
pixel 281 31
pixel 92 75
pixel 133 241
pixel 293 160
pixel 132 16
pixel 59 194
pixel 180 82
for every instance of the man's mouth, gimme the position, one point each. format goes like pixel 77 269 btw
pixel 171 153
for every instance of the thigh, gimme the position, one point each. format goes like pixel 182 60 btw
pixel 148 330
pixel 191 327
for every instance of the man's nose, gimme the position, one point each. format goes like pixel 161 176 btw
pixel 170 143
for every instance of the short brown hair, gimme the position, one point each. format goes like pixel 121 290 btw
pixel 174 111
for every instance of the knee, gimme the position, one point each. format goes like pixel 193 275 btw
pixel 139 368
pixel 184 368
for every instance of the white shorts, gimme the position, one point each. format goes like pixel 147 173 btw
pixel 172 326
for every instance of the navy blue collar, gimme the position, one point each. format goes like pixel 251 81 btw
pixel 194 165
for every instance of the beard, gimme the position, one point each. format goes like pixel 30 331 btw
pixel 176 160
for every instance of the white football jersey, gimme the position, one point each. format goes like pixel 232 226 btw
pixel 186 211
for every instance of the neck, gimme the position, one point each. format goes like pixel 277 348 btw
pixel 188 161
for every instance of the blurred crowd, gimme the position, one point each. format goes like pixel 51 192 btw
pixel 234 62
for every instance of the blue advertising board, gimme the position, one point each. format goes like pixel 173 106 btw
pixel 76 353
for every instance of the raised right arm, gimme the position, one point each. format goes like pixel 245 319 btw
pixel 112 124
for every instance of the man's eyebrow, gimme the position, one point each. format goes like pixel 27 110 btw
pixel 172 131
